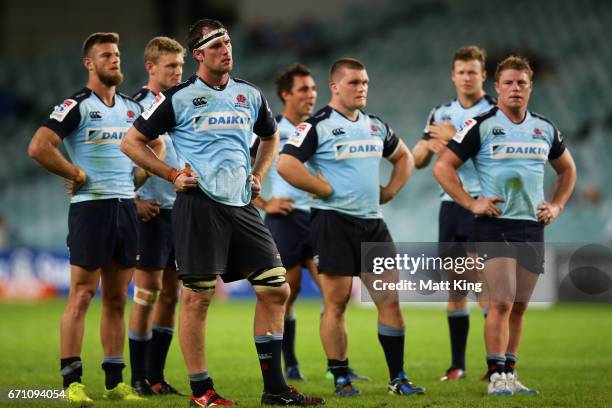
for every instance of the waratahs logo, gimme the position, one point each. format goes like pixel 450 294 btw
pixel 358 149
pixel 104 135
pixel 241 101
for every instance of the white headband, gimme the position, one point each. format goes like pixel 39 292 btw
pixel 210 38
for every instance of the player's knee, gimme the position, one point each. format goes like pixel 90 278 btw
pixel 519 308
pixel 197 301
pixel 271 279
pixel 274 296
pixel 168 298
pixel 145 297
pixel 501 308
pixel 335 308
pixel 80 300
pixel 115 302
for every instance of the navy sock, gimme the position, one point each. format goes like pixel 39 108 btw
pixel 392 341
pixel 113 367
pixel 158 352
pixel 139 345
pixel 71 369
pixel 200 383
pixel 339 368
pixel 511 360
pixel 289 341
pixel 458 325
pixel 496 364
pixel 269 350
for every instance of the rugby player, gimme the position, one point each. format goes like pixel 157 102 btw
pixel 156 286
pixel 345 146
pixel 456 224
pixel 217 231
pixel 102 216
pixel 511 146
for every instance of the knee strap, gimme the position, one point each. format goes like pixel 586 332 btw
pixel 202 285
pixel 267 279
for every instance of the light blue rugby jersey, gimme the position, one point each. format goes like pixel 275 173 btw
pixel 348 155
pixel 278 186
pixel 156 188
pixel 510 158
pixel 92 132
pixel 456 114
pixel 211 128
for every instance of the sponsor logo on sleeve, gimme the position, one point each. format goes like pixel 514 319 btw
pixel 159 98
pixel 61 111
pixel 297 138
pixel 467 125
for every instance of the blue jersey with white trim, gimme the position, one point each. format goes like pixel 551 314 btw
pixel 92 132
pixel 456 114
pixel 211 128
pixel 157 188
pixel 348 155
pixel 510 158
pixel 278 186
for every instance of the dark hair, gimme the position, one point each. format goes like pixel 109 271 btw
pixel 195 30
pixel 99 38
pixel 284 81
pixel 514 62
pixel 349 63
pixel 469 53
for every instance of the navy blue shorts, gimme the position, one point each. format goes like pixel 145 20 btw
pixel 291 233
pixel 155 249
pixel 337 241
pixel 102 230
pixel 522 240
pixel 211 238
pixel 455 230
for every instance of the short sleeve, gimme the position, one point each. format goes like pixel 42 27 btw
pixel 302 143
pixel 390 143
pixel 430 121
pixel 558 147
pixel 265 125
pixel 158 118
pixel 466 142
pixel 65 118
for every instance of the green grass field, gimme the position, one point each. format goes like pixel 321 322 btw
pixel 566 353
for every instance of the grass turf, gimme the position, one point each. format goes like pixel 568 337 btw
pixel 566 353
